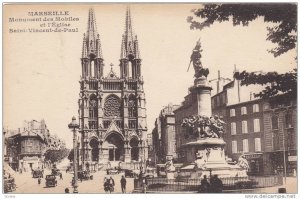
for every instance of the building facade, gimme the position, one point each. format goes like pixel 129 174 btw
pixel 245 134
pixel 165 141
pixel 112 112
pixel 261 130
pixel 25 148
pixel 156 140
pixel 280 132
pixel 26 151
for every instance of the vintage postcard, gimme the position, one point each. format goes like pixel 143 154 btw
pixel 150 98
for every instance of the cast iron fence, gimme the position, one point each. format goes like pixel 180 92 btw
pixel 229 183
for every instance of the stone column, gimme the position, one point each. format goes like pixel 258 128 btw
pixel 203 91
pixel 140 147
pixel 114 153
pixel 100 157
pixel 127 153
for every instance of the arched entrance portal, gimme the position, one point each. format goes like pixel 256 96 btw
pixel 95 149
pixel 116 151
pixel 134 149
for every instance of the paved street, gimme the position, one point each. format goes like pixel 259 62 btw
pixel 27 184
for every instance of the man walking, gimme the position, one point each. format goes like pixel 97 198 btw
pixel 111 184
pixel 123 184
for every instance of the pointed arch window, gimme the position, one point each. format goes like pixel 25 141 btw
pixel 130 69
pixel 93 112
pixel 132 106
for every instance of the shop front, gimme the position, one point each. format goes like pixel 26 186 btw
pixel 255 161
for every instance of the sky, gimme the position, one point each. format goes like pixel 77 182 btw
pixel 41 71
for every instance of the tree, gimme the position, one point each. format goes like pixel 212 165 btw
pixel 282 15
pixel 281 87
pixel 56 155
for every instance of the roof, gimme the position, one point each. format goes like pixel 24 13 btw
pixel 27 133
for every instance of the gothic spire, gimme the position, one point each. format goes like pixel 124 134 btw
pixel 84 48
pixel 93 45
pixel 129 40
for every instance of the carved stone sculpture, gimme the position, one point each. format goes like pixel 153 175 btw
pixel 202 126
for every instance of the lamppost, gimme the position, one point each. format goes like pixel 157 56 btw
pixel 73 126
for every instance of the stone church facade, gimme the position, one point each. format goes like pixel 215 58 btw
pixel 112 112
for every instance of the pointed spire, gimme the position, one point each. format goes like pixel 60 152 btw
pixel 136 48
pixel 92 38
pixel 123 54
pixel 129 40
pixel 98 47
pixel 84 48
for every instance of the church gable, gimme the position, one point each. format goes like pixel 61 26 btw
pixel 113 127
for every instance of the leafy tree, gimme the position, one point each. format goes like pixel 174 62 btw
pixel 283 16
pixel 56 155
pixel 281 87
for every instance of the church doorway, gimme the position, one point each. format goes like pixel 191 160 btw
pixel 95 150
pixel 134 149
pixel 116 150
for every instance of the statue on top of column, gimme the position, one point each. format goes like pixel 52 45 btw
pixel 200 71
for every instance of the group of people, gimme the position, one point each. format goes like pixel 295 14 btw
pixel 214 185
pixel 109 184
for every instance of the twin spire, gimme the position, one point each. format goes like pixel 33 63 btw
pixel 91 40
pixel 92 45
pixel 129 48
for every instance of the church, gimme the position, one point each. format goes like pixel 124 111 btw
pixel 112 112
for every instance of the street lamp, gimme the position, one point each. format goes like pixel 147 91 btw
pixel 73 126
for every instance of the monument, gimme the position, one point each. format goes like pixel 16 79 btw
pixel 204 144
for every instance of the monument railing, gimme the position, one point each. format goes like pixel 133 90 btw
pixel 193 185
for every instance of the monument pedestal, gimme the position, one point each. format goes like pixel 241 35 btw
pixel 202 90
pixel 170 175
pixel 211 160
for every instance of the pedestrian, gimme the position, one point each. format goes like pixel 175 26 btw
pixel 123 184
pixel 111 184
pixel 106 185
pixel 67 190
pixel 60 176
pixel 73 182
pixel 216 184
pixel 144 184
pixel 205 186
pixel 39 181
